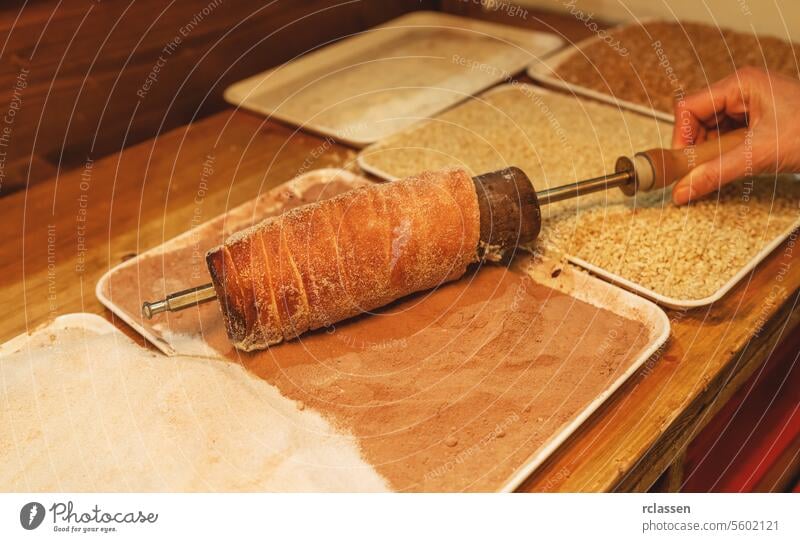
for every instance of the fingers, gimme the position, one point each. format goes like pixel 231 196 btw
pixel 687 130
pixel 724 104
pixel 710 176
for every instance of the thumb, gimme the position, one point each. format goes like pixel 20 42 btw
pixel 710 176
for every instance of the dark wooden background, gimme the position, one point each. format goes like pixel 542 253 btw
pixel 86 60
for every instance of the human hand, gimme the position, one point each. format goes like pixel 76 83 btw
pixel 766 103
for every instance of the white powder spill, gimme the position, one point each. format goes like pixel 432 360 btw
pixel 95 412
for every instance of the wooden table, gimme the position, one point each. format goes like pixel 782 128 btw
pixel 60 236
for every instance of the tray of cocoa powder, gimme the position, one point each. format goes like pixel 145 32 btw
pixel 468 387
pixel 649 65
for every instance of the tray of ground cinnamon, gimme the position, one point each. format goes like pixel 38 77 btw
pixel 649 65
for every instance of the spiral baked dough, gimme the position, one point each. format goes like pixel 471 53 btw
pixel 334 259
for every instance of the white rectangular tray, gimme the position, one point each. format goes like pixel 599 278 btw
pixel 675 303
pixel 169 422
pixel 591 290
pixel 373 84
pixel 544 70
pixel 363 161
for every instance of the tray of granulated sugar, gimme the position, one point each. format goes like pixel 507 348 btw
pixel 470 386
pixel 66 326
pixel 85 409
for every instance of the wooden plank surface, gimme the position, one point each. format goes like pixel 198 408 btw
pixel 67 231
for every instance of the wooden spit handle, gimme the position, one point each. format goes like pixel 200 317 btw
pixel 657 168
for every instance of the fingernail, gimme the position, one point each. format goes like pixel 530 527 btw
pixel 683 194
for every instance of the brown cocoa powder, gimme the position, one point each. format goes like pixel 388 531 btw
pixel 448 390
pixel 455 389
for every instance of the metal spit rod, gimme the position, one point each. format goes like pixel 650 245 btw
pixel 568 191
pixel 202 294
pixel 180 300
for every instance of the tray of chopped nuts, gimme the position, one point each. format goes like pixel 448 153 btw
pixel 680 257
pixel 688 257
